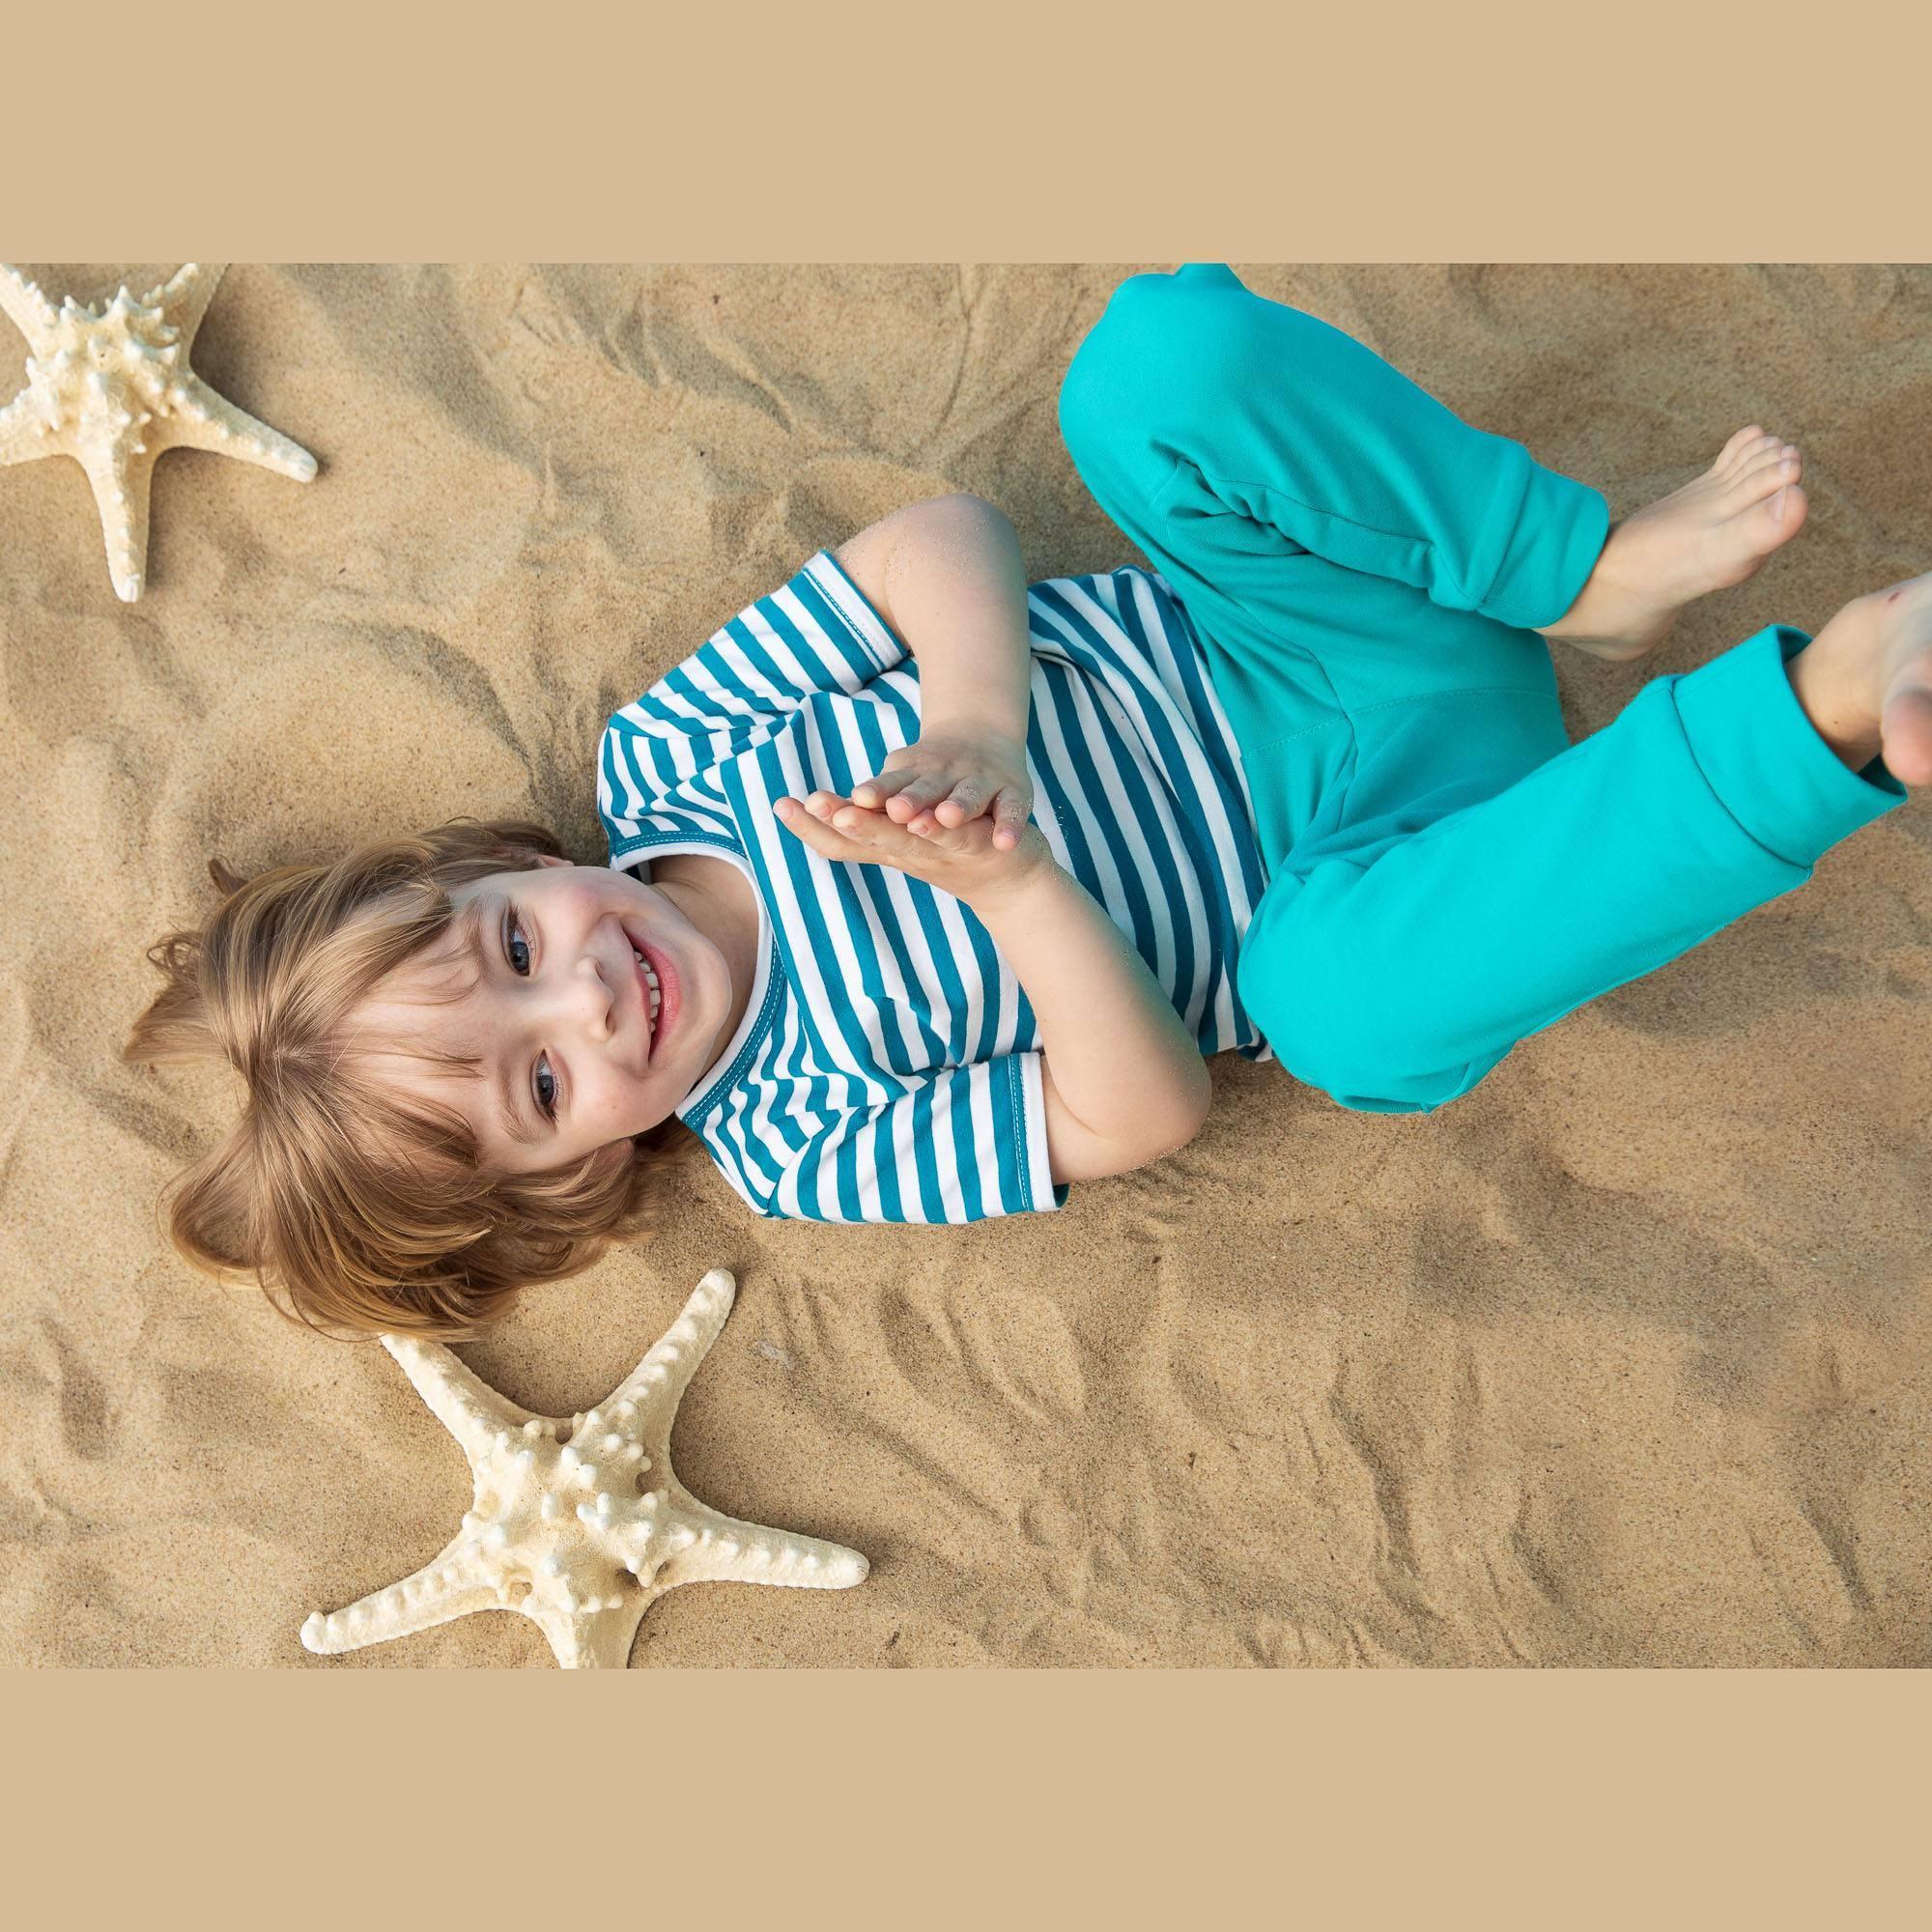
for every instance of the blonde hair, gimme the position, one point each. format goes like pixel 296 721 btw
pixel 359 1210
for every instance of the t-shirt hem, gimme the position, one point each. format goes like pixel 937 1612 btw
pixel 876 637
pixel 1044 1192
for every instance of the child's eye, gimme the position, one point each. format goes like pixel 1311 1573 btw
pixel 512 930
pixel 512 939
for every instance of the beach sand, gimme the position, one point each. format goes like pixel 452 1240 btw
pixel 1624 1358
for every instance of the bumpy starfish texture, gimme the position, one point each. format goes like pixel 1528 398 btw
pixel 580 1524
pixel 111 387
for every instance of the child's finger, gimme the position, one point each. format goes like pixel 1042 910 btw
pixel 874 791
pixel 813 832
pixel 969 798
pixel 919 791
pixel 872 834
pixel 848 814
pixel 1011 812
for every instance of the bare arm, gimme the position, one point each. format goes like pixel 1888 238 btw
pixel 948 577
pixel 1125 1083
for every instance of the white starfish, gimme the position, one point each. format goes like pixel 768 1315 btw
pixel 111 387
pixel 580 1524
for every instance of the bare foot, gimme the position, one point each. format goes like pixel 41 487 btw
pixel 1711 534
pixel 1870 688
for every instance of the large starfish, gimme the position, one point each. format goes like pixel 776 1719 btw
pixel 580 1524
pixel 111 387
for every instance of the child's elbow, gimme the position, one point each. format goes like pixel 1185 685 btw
pixel 1179 1123
pixel 967 506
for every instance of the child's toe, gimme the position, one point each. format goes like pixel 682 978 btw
pixel 1783 510
pixel 1740 442
pixel 1769 471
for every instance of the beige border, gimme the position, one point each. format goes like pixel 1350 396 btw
pixel 1654 131
pixel 1615 1798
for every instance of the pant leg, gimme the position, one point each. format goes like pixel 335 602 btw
pixel 1447 874
pixel 1192 384
pixel 1394 966
pixel 1342 541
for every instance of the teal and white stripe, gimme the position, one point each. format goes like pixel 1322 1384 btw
pixel 889 1067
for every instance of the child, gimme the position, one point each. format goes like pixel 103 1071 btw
pixel 930 890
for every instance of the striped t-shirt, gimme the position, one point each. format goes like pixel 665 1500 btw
pixel 887 1067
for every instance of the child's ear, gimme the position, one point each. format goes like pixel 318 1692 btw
pixel 545 859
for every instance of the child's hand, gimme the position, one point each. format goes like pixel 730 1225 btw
pixel 947 779
pixel 965 860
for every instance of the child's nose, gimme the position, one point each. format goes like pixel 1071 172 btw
pixel 592 999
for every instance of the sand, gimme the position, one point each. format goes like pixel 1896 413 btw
pixel 1625 1358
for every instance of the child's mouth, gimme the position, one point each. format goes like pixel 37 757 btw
pixel 657 993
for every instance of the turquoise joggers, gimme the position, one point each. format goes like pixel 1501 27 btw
pixel 1447 874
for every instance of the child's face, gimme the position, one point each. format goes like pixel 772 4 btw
pixel 562 1015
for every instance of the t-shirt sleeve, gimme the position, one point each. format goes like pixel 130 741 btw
pixel 966 1144
pixel 816 633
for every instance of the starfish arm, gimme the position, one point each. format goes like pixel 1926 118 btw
pixel 728 1551
pixel 21 438
pixel 121 488
pixel 596 1639
pixel 185 297
pixel 473 1411
pixel 26 307
pixel 448 1586
pixel 663 1375
pixel 205 419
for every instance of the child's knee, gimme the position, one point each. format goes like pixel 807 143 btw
pixel 1127 357
pixel 1386 1092
pixel 1361 1058
pixel 1106 373
pixel 1169 348
pixel 1367 1081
